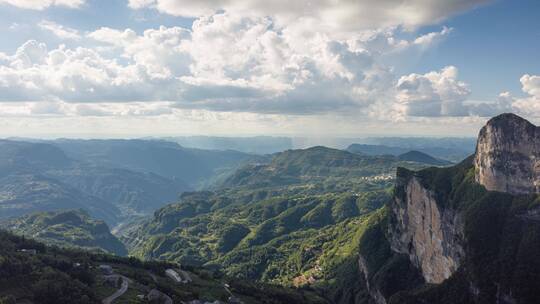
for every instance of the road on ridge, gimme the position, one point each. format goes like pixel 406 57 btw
pixel 119 292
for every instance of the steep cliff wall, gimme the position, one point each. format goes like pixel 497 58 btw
pixel 471 245
pixel 508 155
pixel 374 292
pixel 421 228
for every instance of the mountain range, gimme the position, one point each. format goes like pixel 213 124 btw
pixel 315 225
pixel 113 180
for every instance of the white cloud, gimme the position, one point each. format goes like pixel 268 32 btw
pixel 224 63
pixel 430 38
pixel 47 108
pixel 137 4
pixel 43 4
pixel 59 30
pixel 327 15
pixel 121 110
pixel 529 105
pixel 14 26
pixel 159 51
pixel 437 93
pixel 231 63
pixel 531 84
pixel 74 75
pixel 234 63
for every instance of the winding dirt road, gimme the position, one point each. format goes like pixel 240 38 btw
pixel 119 292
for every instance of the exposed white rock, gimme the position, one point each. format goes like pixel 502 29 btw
pixel 507 155
pixel 430 236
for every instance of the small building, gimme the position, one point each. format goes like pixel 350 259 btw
pixel 29 251
pixel 173 275
pixel 106 269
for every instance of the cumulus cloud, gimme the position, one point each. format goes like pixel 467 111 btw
pixel 529 105
pixel 160 51
pixel 441 94
pixel 74 75
pixel 327 15
pixel 59 30
pixel 232 63
pixel 437 93
pixel 43 4
pixel 223 63
pixel 430 38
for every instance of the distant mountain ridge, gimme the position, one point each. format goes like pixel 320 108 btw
pixel 376 149
pixel 311 165
pixel 31 155
pixel 70 228
pixel 424 158
pixel 164 158
pixel 253 144
pixel 434 147
pixel 111 179
pixel 23 193
pixel 134 193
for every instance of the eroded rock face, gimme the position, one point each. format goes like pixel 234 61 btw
pixel 375 294
pixel 507 155
pixel 430 236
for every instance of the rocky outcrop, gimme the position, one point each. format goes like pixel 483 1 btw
pixel 507 159
pixel 374 293
pixel 429 235
pixel 507 155
pixel 425 225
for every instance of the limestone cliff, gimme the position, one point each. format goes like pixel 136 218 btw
pixel 422 229
pixel 508 155
pixel 482 244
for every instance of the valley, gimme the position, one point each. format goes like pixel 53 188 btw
pixel 269 152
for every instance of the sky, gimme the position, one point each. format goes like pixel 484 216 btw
pixel 335 68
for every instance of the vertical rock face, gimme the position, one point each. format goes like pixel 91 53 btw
pixel 508 155
pixel 374 293
pixel 431 232
pixel 429 235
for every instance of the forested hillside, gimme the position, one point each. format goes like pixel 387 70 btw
pixel 71 228
pixel 294 220
pixel 31 272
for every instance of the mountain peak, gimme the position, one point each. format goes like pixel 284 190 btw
pixel 508 120
pixel 507 155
